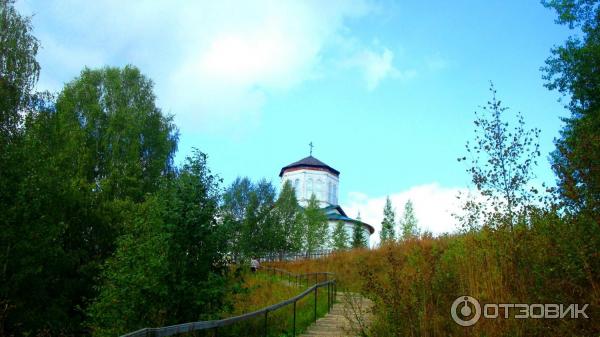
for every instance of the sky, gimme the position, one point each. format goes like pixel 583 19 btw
pixel 385 90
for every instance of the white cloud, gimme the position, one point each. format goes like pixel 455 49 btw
pixel 377 66
pixel 433 205
pixel 214 63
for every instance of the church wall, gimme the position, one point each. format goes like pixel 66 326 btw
pixel 324 186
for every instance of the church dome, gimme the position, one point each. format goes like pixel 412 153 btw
pixel 309 162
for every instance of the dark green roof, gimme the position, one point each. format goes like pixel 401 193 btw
pixel 336 213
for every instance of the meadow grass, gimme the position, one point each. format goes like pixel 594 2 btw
pixel 413 283
pixel 256 291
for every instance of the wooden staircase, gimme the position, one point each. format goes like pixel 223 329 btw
pixel 350 316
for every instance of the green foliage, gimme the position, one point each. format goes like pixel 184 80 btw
pixel 359 239
pixel 269 236
pixel 409 223
pixel 501 160
pixel 287 212
pixel 389 222
pixel 199 243
pixel 49 247
pixel 259 226
pixel 339 238
pixel 136 278
pixel 168 265
pixel 236 198
pixel 19 70
pixel 72 181
pixel 315 226
pixel 49 243
pixel 235 202
pixel 262 289
pixel 572 70
pixel 113 132
pixel 257 223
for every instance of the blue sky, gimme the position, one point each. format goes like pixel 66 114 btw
pixel 386 90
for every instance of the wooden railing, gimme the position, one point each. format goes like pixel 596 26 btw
pixel 297 279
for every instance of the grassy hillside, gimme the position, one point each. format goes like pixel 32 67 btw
pixel 414 283
pixel 256 291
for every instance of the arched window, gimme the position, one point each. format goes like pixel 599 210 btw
pixel 309 188
pixel 330 192
pixel 334 194
pixel 297 187
pixel 319 189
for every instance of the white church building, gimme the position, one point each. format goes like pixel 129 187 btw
pixel 311 176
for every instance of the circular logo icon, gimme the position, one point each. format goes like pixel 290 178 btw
pixel 461 315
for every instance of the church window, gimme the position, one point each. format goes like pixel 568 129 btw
pixel 334 194
pixel 309 188
pixel 319 189
pixel 297 187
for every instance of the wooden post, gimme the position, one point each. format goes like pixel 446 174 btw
pixel 316 303
pixel 328 298
pixel 294 329
pixel 266 318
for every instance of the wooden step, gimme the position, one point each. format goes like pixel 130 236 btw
pixel 340 320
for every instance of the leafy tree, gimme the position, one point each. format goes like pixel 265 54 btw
pixel 388 223
pixel 198 242
pixel 251 219
pixel 339 237
pixel 259 224
pixel 359 239
pixel 572 70
pixel 135 279
pixel 46 270
pixel 82 167
pixel 501 161
pixel 409 222
pixel 117 139
pixel 112 145
pixel 235 203
pixel 236 197
pixel 19 70
pixel 289 219
pixel 315 225
pixel 41 277
pixel 168 266
pixel 269 234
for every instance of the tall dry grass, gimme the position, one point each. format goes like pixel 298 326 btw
pixel 414 283
pixel 255 291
